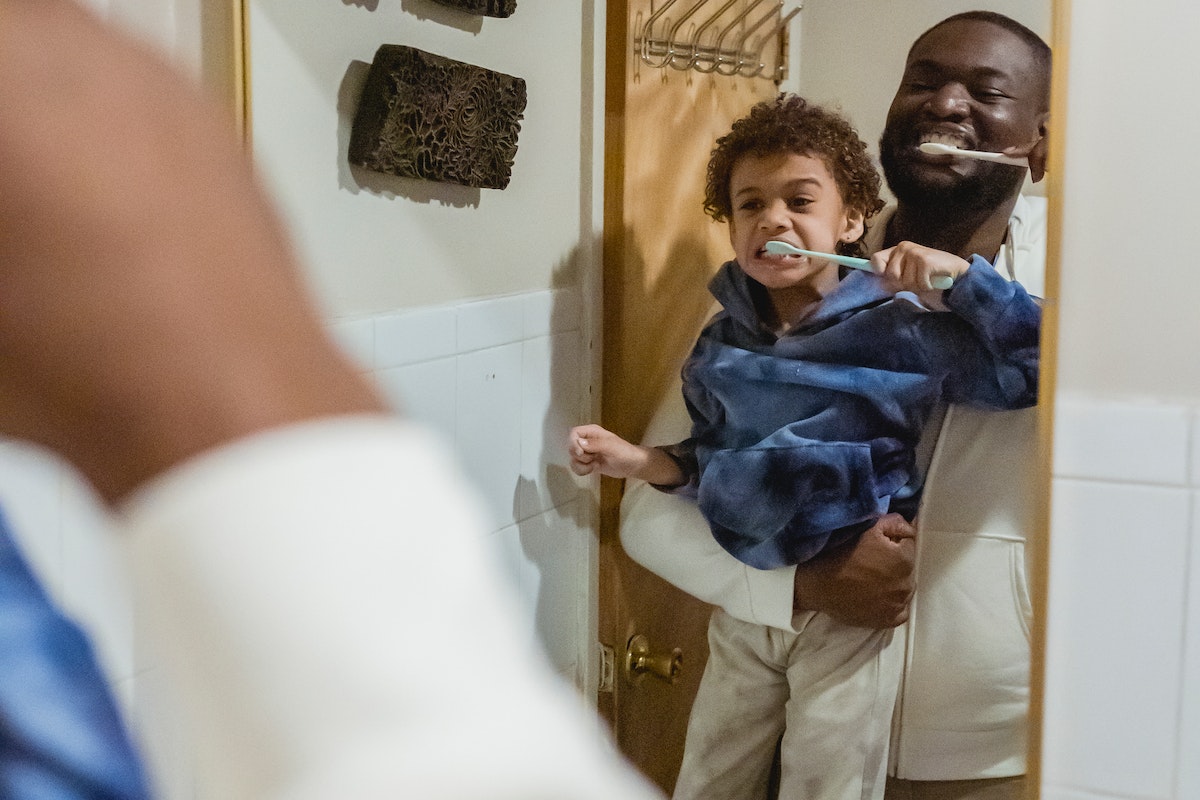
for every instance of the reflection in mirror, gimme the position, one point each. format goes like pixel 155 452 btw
pixel 964 656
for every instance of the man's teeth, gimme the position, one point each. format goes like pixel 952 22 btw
pixel 946 139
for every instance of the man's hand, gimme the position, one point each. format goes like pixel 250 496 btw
pixel 1035 153
pixel 868 583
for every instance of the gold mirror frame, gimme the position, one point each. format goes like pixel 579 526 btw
pixel 1059 33
pixel 226 60
pixel 227 70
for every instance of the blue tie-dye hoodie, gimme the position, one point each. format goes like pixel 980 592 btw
pixel 802 440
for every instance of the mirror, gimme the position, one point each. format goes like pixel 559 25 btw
pixel 848 53
pixel 659 246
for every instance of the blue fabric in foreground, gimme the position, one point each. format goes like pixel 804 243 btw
pixel 61 736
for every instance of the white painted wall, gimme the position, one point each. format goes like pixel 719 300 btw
pixel 1129 288
pixel 376 243
pixel 1123 692
pixel 474 308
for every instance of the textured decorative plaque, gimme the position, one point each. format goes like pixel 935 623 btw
pixel 488 8
pixel 426 116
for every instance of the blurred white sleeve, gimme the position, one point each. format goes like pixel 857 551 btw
pixel 324 610
pixel 667 535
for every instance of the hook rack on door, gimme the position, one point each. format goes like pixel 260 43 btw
pixel 725 41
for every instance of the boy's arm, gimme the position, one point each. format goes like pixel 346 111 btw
pixel 593 448
pixel 994 364
pixel 994 361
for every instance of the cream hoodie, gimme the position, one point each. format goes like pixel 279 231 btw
pixel 961 713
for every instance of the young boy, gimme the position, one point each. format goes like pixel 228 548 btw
pixel 808 394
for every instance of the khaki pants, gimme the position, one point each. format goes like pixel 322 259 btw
pixel 829 691
pixel 985 789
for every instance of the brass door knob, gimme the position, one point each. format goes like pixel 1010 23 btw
pixel 641 661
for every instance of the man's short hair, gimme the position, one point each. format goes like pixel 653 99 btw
pixel 1038 47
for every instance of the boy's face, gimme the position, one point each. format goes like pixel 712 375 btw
pixel 792 198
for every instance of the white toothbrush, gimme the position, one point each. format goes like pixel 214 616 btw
pixel 783 248
pixel 939 149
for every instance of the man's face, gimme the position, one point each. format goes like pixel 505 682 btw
pixel 973 85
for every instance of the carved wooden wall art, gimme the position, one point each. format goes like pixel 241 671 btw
pixel 488 8
pixel 426 116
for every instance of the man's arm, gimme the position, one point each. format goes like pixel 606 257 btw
pixel 868 583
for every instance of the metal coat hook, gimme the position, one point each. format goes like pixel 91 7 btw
pixel 740 47
pixel 719 52
pixel 671 37
pixel 644 41
pixel 661 46
pixel 775 31
pixel 694 44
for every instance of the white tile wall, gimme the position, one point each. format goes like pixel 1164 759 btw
pixel 1123 653
pixel 502 380
pixel 1189 728
pixel 1121 441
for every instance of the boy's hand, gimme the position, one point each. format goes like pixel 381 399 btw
pixel 594 448
pixel 913 267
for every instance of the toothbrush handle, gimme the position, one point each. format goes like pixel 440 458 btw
pixel 936 282
pixel 1003 159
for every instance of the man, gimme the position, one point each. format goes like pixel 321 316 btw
pixel 309 570
pixel 979 81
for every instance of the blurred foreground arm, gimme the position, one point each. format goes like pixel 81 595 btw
pixel 311 571
pixel 151 308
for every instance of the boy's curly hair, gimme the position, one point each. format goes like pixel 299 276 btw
pixel 790 124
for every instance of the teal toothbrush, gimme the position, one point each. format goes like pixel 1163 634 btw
pixel 783 248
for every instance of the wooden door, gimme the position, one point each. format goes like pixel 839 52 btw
pixel 660 250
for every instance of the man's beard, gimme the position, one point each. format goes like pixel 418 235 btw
pixel 985 189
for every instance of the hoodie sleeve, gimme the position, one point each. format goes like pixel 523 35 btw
pixel 992 360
